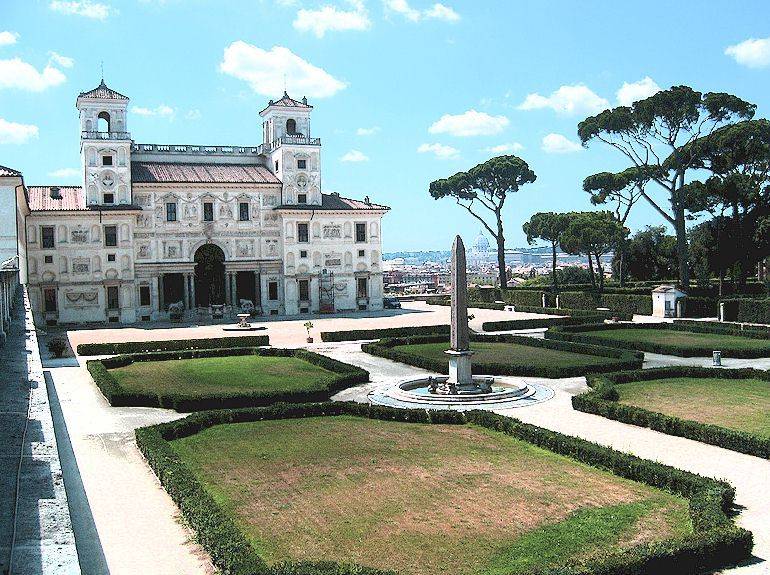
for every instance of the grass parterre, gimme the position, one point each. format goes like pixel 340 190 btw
pixel 685 340
pixel 471 492
pixel 725 407
pixel 508 355
pixel 221 378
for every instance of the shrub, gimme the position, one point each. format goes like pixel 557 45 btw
pixel 356 334
pixel 582 334
pixel 616 302
pixel 172 345
pixel 514 324
pixel 701 306
pixel 616 360
pixel 730 328
pixel 347 376
pixel 603 400
pixel 57 346
pixel 515 297
pixel 714 543
pixel 754 310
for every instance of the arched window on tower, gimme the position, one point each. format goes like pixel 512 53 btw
pixel 103 122
pixel 291 126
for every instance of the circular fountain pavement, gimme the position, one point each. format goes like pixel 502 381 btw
pixel 507 393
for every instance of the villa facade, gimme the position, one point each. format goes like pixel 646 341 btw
pixel 196 226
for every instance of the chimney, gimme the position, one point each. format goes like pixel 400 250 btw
pixel 55 193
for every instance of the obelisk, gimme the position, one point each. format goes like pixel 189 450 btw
pixel 459 351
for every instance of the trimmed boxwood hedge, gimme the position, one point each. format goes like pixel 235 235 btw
pixel 730 328
pixel 715 542
pixel 750 310
pixel 172 345
pixel 603 400
pixel 625 303
pixel 347 376
pixel 616 359
pixel 512 324
pixel 357 334
pixel 582 334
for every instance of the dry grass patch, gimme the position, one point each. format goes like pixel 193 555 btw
pixel 423 499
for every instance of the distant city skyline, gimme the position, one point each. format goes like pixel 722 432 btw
pixel 442 87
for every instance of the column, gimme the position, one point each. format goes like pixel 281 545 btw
pixel 192 291
pixel 160 293
pixel 234 289
pixel 257 291
pixel 186 287
pixel 154 302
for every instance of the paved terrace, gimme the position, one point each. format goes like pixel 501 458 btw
pixel 36 535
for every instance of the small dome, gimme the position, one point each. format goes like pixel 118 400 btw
pixel 481 243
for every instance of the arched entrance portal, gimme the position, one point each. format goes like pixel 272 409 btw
pixel 209 275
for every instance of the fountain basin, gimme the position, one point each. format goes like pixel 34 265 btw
pixel 507 392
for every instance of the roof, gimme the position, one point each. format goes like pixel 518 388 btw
pixel 104 92
pixel 184 173
pixel 335 202
pixel 288 102
pixel 72 199
pixel 9 172
pixel 666 289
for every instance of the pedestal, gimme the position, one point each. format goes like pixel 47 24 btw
pixel 460 370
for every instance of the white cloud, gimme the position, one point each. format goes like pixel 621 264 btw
pixel 330 18
pixel 13 133
pixel 16 73
pixel 8 38
pixel 85 8
pixel 504 148
pixel 753 53
pixel 436 12
pixel 568 100
pixel 441 151
pixel 162 110
pixel 354 156
pixel 635 91
pixel 558 144
pixel 65 173
pixel 63 61
pixel 441 12
pixel 264 71
pixel 193 115
pixel 470 123
pixel 367 131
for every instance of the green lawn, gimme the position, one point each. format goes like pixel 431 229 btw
pixel 707 341
pixel 740 404
pixel 422 499
pixel 510 353
pixel 232 374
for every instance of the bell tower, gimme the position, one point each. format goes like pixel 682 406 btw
pixel 292 155
pixel 105 146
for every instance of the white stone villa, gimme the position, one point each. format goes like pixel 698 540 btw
pixel 154 225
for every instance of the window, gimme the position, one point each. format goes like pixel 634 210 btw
pixel 361 253
pixel 304 290
pixel 106 160
pixel 272 291
pixel 360 232
pixel 302 233
pixel 301 198
pixel 109 198
pixel 144 295
pixel 110 257
pixel 171 212
pixel 208 211
pixel 47 235
pixel 362 288
pixel 49 259
pixel 276 165
pixel 103 122
pixel 112 298
pixel 243 211
pixel 291 127
pixel 302 164
pixel 111 236
pixel 303 253
pixel 49 299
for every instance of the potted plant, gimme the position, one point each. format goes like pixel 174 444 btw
pixel 308 326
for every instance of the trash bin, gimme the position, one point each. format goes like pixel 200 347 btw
pixel 717 358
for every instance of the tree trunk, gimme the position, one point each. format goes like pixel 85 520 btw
pixel 501 258
pixel 591 269
pixel 600 271
pixel 621 270
pixel 682 249
pixel 553 268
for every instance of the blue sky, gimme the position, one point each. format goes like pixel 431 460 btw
pixel 405 92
